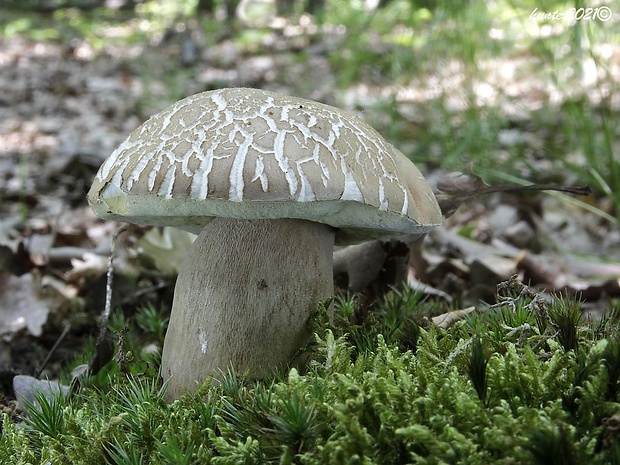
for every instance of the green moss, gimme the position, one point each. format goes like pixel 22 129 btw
pixel 480 392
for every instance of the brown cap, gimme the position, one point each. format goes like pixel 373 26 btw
pixel 248 154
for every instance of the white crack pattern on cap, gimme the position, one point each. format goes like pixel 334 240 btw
pixel 233 118
pixel 241 145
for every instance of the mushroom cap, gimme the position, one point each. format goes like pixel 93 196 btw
pixel 248 154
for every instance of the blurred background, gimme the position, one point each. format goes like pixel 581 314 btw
pixel 528 90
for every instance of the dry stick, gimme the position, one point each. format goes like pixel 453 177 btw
pixel 535 187
pixel 449 202
pixel 99 358
pixel 468 195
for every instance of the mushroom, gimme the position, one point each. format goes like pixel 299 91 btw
pixel 269 183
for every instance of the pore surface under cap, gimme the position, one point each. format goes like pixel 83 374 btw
pixel 247 153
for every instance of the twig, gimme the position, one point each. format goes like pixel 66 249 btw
pixel 100 358
pixel 534 187
pixel 450 201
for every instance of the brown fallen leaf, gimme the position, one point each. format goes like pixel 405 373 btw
pixel 447 319
pixel 21 305
pixel 17 260
pixel 28 301
pixel 426 289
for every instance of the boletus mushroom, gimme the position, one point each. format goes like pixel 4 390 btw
pixel 269 183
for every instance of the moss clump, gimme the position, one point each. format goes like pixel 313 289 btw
pixel 520 382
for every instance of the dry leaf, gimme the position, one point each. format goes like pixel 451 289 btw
pixel 165 249
pixel 424 288
pixel 21 305
pixel 91 266
pixel 461 184
pixel 457 188
pixel 447 319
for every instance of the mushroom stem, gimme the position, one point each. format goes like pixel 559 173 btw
pixel 243 298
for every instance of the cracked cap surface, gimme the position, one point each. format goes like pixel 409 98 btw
pixel 248 154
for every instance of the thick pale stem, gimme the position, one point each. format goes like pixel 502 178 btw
pixel 243 298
